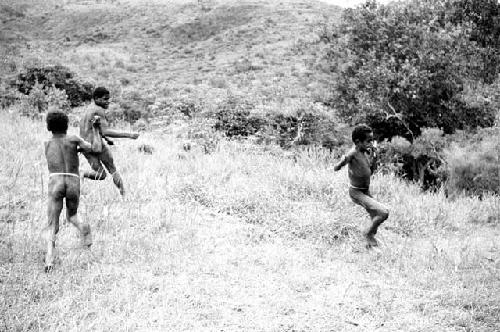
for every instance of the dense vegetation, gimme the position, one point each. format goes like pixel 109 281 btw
pixel 408 66
pixel 411 65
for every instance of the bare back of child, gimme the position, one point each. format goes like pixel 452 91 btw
pixel 61 151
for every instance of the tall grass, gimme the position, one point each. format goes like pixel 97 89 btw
pixel 244 238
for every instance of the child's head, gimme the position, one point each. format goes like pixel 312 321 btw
pixel 362 136
pixel 101 97
pixel 57 122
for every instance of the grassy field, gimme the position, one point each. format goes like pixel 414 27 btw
pixel 244 238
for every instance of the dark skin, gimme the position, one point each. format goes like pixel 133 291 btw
pixel 64 184
pixel 102 161
pixel 357 177
pixel 360 169
pixel 104 102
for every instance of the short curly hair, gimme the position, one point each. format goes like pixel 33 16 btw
pixel 100 92
pixel 360 132
pixel 57 121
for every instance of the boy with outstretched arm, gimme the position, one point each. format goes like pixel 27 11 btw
pixel 61 151
pixel 361 166
pixel 94 113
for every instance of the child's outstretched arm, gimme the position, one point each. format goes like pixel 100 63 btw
pixel 340 164
pixel 108 132
pixel 344 161
pixel 119 134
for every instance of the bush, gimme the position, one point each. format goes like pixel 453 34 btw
pixel 404 66
pixel 306 126
pixel 474 169
pixel 40 99
pixel 58 77
pixel 299 124
pixel 422 161
pixel 464 162
pixel 233 117
pixel 34 103
pixel 58 99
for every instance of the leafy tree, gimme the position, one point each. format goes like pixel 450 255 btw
pixel 404 66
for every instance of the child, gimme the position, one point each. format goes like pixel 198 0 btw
pixel 64 180
pixel 100 159
pixel 361 167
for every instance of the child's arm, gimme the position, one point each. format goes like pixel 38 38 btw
pixel 118 134
pixel 340 164
pixel 106 131
pixel 344 161
pixel 83 145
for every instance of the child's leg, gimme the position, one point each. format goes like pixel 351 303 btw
pixel 117 180
pixel 72 202
pixel 98 172
pixel 55 204
pixel 378 212
pixel 107 160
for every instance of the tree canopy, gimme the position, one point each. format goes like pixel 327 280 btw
pixel 421 63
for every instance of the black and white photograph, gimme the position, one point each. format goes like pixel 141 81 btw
pixel 250 165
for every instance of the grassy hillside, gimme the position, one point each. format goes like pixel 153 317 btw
pixel 244 238
pixel 262 50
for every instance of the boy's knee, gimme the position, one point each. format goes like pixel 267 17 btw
pixel 71 212
pixel 383 214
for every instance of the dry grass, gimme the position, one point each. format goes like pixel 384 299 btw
pixel 244 238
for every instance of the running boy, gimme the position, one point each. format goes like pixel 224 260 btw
pixel 361 167
pixel 104 158
pixel 64 180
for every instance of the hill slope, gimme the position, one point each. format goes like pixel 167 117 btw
pixel 264 50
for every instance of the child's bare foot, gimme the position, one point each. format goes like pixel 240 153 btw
pixel 371 242
pixel 86 236
pixel 122 191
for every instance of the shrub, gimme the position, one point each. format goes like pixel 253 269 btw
pixel 474 169
pixel 58 99
pixel 422 161
pixel 233 117
pixel 403 67
pixel 34 103
pixel 58 77
pixel 306 126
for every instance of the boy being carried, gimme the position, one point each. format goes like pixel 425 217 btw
pixel 64 180
pixel 361 167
